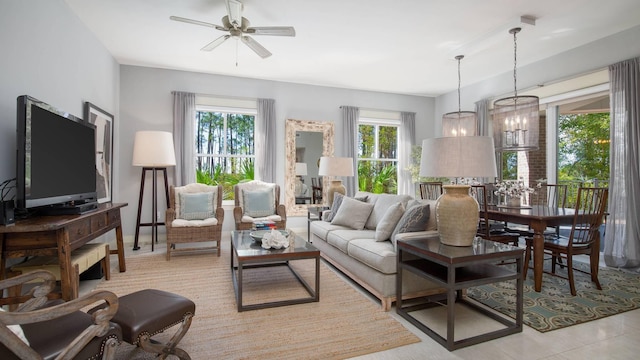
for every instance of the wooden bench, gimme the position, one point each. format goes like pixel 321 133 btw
pixel 81 260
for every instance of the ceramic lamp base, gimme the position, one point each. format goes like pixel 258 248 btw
pixel 336 187
pixel 457 216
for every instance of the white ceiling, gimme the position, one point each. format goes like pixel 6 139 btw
pixel 401 46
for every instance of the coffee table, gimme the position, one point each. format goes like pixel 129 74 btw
pixel 250 255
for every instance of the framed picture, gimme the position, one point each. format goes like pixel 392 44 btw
pixel 104 149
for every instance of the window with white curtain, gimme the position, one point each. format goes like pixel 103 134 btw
pixel 378 151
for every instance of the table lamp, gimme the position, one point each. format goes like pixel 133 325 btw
pixel 335 166
pixel 456 211
pixel 153 150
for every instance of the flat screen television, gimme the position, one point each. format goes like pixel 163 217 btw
pixel 56 161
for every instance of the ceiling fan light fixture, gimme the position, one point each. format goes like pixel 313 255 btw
pixel 459 123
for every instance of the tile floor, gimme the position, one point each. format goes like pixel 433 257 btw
pixel 614 337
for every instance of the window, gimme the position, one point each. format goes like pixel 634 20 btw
pixel 378 155
pixel 224 146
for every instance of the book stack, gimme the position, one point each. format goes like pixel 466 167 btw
pixel 265 225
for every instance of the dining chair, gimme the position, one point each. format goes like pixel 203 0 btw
pixel 430 190
pixel 485 228
pixel 583 239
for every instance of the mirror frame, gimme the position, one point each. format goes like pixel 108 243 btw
pixel 291 127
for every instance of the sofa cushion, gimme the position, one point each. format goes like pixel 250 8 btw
pixel 432 224
pixel 381 203
pixel 352 213
pixel 340 238
pixel 389 221
pixel 379 255
pixel 337 201
pixel 321 228
pixel 414 219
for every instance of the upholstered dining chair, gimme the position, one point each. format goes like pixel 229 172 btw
pixel 195 214
pixel 583 239
pixel 430 190
pixel 485 228
pixel 39 329
pixel 257 201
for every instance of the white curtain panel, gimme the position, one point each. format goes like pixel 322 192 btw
pixel 265 141
pixel 350 115
pixel 184 113
pixel 407 140
pixel 484 117
pixel 622 236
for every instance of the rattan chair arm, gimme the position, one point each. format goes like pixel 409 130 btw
pixel 237 214
pixel 282 211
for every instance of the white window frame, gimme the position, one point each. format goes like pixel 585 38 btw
pixel 377 119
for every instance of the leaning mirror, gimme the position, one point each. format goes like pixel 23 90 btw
pixel 307 141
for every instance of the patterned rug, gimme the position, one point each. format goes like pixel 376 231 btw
pixel 554 308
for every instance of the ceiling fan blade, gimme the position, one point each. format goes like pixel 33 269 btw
pixel 272 30
pixel 196 22
pixel 234 9
pixel 215 43
pixel 255 46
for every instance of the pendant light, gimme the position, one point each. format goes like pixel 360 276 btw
pixel 459 123
pixel 516 119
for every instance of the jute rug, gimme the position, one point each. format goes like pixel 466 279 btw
pixel 555 308
pixel 343 324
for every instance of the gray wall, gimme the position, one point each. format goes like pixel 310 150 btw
pixel 49 54
pixel 146 104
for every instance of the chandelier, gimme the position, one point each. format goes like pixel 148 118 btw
pixel 459 123
pixel 516 119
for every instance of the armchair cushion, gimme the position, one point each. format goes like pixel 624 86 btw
pixel 196 206
pixel 258 203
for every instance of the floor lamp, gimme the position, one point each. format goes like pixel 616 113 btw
pixel 153 150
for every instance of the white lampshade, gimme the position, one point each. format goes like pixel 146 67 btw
pixel 153 149
pixel 336 166
pixel 468 156
pixel 301 169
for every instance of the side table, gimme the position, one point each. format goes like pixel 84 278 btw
pixel 457 268
pixel 314 213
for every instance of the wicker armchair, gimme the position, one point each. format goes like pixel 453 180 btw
pixel 61 331
pixel 249 210
pixel 195 214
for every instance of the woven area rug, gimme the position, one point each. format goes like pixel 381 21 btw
pixel 555 308
pixel 343 324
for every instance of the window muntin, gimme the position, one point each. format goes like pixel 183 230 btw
pixel 378 155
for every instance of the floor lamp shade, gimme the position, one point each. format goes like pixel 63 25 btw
pixel 469 156
pixel 335 166
pixel 153 149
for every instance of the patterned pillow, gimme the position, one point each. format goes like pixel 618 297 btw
pixel 196 206
pixel 414 219
pixel 259 203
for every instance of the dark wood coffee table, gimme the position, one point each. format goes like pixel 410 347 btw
pixel 250 255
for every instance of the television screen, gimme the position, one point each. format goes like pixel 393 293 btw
pixel 56 156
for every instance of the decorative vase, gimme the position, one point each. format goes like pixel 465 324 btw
pixel 457 216
pixel 513 201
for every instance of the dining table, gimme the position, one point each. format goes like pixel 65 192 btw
pixel 538 218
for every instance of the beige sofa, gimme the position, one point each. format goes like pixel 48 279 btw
pixel 370 263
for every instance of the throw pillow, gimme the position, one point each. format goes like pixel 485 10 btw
pixel 259 203
pixel 414 219
pixel 196 206
pixel 389 221
pixel 352 213
pixel 337 201
pixel 432 224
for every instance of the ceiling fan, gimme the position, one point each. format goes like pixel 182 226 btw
pixel 238 27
